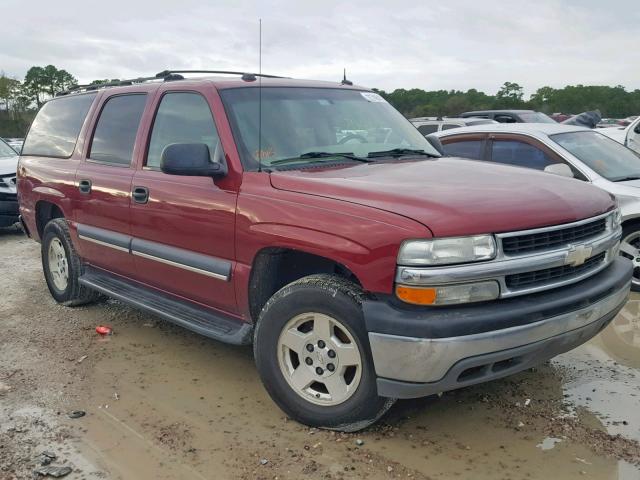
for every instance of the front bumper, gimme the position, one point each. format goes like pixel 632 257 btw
pixel 418 351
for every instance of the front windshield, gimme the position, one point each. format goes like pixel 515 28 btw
pixel 6 150
pixel 604 156
pixel 536 117
pixel 318 124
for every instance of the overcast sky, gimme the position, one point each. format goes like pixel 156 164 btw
pixel 386 44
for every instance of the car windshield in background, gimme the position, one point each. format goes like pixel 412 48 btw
pixel 604 156
pixel 536 117
pixel 6 150
pixel 308 125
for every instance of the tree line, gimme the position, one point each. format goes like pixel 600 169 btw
pixel 613 102
pixel 20 99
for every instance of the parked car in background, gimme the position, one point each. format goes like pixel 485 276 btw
pixel 628 136
pixel 8 200
pixel 510 116
pixel 578 152
pixel 427 125
pixel 627 121
pixel 607 123
pixel 363 267
pixel 15 143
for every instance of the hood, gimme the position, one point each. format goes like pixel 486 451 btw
pixel 454 196
pixel 8 165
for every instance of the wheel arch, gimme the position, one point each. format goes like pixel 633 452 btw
pixel 274 267
pixel 45 212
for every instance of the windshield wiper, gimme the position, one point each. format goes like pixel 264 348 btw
pixel 400 152
pixel 307 155
pixel 624 179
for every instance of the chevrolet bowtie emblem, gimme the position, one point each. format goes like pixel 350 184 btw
pixel 577 255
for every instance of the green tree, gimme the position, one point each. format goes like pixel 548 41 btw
pixel 33 85
pixel 43 82
pixel 9 91
pixel 106 80
pixel 510 95
pixel 54 80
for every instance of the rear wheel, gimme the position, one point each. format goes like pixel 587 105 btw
pixel 313 355
pixel 62 266
pixel 630 248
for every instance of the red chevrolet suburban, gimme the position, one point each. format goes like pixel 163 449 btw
pixel 314 221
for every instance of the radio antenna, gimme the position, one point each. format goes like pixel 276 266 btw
pixel 260 95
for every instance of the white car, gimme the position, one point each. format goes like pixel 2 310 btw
pixel 578 152
pixel 8 197
pixel 428 125
pixel 629 136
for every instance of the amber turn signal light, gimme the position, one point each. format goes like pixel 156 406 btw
pixel 416 295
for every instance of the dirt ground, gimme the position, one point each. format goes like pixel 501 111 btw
pixel 164 403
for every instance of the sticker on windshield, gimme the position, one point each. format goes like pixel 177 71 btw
pixel 372 97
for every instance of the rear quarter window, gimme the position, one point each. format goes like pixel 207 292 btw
pixel 54 132
pixel 427 129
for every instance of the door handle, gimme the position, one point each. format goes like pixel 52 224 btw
pixel 84 186
pixel 140 194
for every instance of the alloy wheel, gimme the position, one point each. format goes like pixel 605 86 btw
pixel 320 359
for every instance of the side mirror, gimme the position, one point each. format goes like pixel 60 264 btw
pixel 191 159
pixel 561 169
pixel 435 143
pixel 637 129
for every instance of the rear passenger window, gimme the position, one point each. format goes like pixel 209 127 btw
pixel 55 130
pixel 182 118
pixel 427 129
pixel 466 149
pixel 449 126
pixel 519 154
pixel 117 127
pixel 505 119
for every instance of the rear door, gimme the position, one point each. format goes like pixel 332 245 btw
pixel 466 146
pixel 183 229
pixel 103 181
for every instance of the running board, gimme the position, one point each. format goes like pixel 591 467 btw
pixel 186 314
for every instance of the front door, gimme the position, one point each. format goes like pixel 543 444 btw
pixel 183 226
pixel 103 181
pixel 633 136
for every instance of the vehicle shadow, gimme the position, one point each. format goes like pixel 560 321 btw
pixel 15 229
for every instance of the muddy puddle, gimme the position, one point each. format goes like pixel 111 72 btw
pixel 163 403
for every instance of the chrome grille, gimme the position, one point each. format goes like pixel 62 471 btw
pixel 527 243
pixel 548 275
pixel 537 260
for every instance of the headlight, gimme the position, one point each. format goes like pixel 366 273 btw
pixel 616 219
pixel 447 251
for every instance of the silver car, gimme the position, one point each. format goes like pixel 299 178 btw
pixel 577 152
pixel 8 198
pixel 428 125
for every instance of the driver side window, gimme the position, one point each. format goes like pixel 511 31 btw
pixel 182 117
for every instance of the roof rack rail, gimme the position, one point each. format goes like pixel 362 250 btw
pixel 165 75
pixel 247 76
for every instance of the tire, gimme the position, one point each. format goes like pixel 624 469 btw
pixel 631 235
pixel 57 241
pixel 297 315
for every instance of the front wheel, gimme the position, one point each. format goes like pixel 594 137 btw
pixel 313 356
pixel 630 248
pixel 62 266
